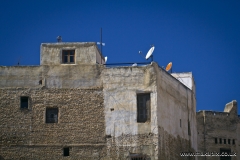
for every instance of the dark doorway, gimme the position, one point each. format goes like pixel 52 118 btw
pixel 225 152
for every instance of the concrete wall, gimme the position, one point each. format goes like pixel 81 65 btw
pixel 121 85
pixel 218 125
pixel 175 103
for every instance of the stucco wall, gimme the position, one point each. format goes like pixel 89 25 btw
pixel 175 101
pixel 121 85
pixel 85 53
pixel 53 76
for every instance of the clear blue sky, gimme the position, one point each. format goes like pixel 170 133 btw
pixel 201 36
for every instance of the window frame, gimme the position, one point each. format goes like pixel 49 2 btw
pixel 145 109
pixel 50 111
pixel 68 56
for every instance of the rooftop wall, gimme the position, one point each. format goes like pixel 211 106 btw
pixel 85 53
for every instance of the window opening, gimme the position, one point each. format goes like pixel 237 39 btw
pixel 220 140
pixel 143 107
pixel 233 141
pixel 224 141
pixel 51 115
pixel 215 140
pixel 66 152
pixel 24 102
pixel 229 141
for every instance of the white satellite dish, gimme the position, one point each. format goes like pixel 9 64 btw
pixel 150 52
pixel 106 59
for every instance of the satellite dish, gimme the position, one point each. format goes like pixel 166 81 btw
pixel 106 59
pixel 169 66
pixel 150 52
pixel 135 64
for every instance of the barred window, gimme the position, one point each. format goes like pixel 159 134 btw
pixel 51 115
pixel 143 107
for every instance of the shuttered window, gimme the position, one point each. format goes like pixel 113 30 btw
pixel 143 107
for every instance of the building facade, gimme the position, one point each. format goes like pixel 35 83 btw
pixel 219 132
pixel 73 106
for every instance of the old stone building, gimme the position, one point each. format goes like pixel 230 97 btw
pixel 219 132
pixel 73 106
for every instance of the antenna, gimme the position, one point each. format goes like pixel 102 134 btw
pixel 169 66
pixel 140 52
pixel 149 54
pixel 100 43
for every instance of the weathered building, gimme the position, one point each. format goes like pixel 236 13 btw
pixel 218 133
pixel 74 107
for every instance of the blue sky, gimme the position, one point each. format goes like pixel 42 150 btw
pixel 199 36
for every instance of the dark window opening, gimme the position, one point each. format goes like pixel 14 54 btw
pixel 68 56
pixel 233 141
pixel 225 141
pixel 51 115
pixel 24 102
pixel 143 107
pixel 40 82
pixel 225 152
pixel 220 140
pixel 138 157
pixel 215 140
pixel 229 141
pixel 65 151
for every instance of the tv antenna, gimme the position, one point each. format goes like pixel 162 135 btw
pixel 149 53
pixel 101 43
pixel 169 67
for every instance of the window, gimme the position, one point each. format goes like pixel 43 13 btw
pixel 215 140
pixel 65 151
pixel 143 107
pixel 68 56
pixel 220 140
pixel 51 115
pixel 229 141
pixel 24 102
pixel 224 141
pixel 233 141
